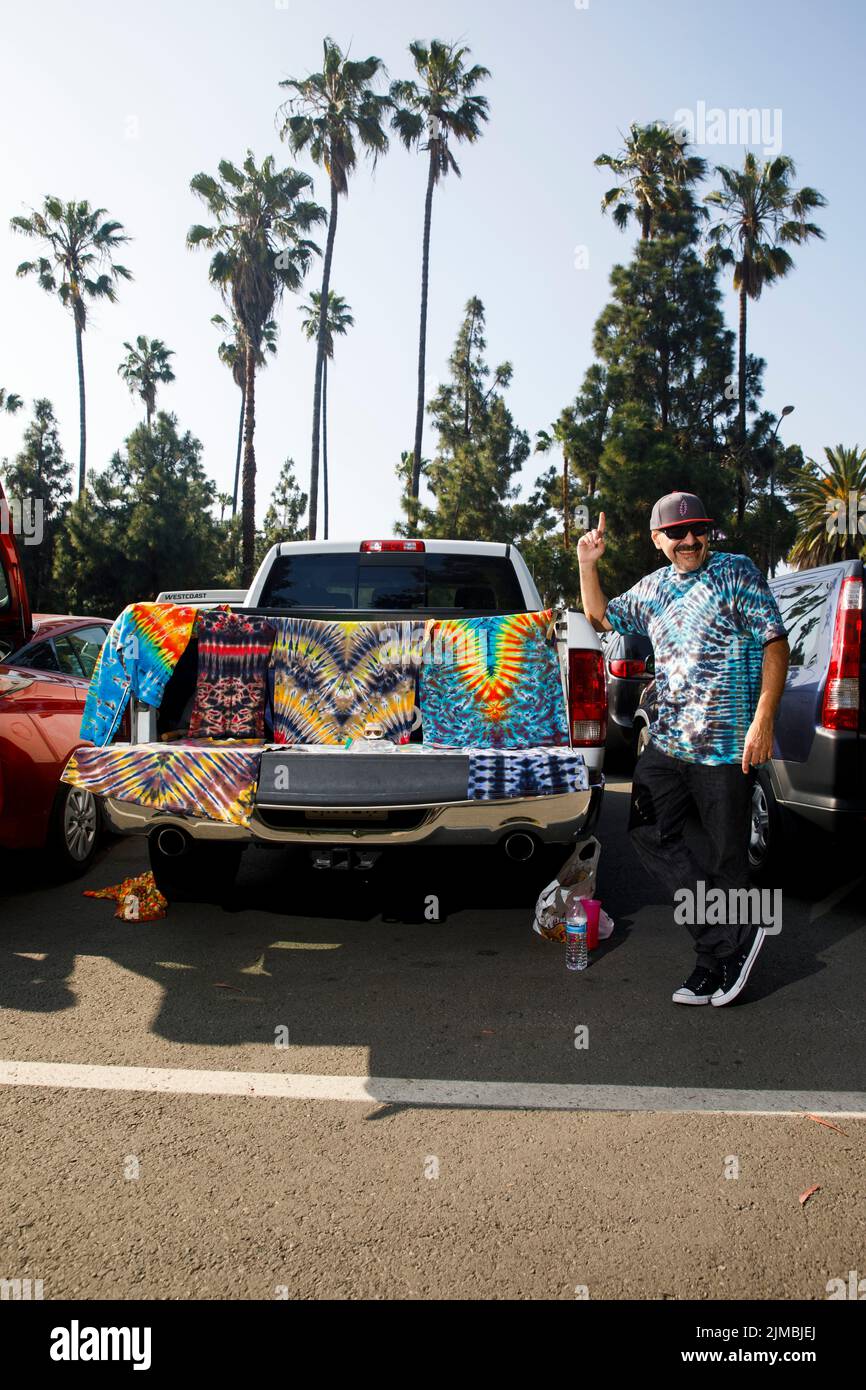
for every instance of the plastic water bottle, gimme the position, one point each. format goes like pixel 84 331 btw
pixel 576 955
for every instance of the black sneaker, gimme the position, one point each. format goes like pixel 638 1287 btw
pixel 736 968
pixel 698 988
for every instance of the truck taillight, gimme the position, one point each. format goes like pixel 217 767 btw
pixel 841 709
pixel 587 698
pixel 391 545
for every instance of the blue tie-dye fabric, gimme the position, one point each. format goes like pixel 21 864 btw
pixel 708 631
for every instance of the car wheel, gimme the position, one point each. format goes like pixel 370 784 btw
pixel 73 837
pixel 203 874
pixel 764 834
pixel 643 739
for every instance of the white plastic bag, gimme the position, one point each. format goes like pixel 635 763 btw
pixel 579 871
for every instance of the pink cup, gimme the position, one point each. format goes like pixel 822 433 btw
pixel 592 907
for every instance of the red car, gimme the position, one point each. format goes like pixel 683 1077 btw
pixel 45 666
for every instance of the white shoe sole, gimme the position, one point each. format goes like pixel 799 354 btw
pixel 678 998
pixel 718 999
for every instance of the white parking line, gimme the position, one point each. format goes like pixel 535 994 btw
pixel 389 1090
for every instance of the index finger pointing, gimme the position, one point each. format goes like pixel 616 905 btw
pixel 601 523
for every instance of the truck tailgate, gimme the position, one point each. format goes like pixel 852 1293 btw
pixel 404 777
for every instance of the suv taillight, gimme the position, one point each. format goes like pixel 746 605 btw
pixel 587 698
pixel 841 709
pixel 628 668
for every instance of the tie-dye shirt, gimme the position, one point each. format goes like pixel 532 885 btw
pixel 708 630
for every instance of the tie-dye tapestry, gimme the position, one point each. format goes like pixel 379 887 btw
pixel 214 781
pixel 143 646
pixel 493 683
pixel 495 773
pixel 231 685
pixel 332 679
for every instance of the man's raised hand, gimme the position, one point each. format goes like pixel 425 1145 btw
pixel 590 547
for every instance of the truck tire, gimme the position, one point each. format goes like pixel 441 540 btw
pixel 204 874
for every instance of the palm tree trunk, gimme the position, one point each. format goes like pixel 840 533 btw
pixel 320 358
pixel 240 447
pixel 82 414
pixel 248 503
pixel 325 439
pixel 741 415
pixel 566 524
pixel 422 345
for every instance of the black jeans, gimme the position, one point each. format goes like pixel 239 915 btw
pixel 664 790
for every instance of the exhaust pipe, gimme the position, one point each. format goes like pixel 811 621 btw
pixel 520 846
pixel 171 842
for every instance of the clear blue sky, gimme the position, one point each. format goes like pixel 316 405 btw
pixel 121 102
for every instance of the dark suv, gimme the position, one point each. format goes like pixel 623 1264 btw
pixel 817 774
pixel 629 666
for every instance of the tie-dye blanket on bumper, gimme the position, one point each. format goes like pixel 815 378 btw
pixel 213 781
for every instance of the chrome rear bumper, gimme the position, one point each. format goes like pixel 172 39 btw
pixel 551 819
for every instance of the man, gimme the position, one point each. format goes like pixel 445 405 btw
pixel 721 658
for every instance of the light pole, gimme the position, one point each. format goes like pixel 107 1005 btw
pixel 786 410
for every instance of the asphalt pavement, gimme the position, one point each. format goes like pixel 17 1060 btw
pixel 576 1150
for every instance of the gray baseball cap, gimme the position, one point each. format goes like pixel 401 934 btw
pixel 675 508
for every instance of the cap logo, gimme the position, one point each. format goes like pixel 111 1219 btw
pixel 683 507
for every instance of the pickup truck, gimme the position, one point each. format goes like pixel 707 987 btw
pixel 344 809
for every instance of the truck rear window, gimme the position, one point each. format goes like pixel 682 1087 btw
pixel 371 582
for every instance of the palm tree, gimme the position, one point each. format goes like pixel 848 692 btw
pixel 231 353
pixel 259 252
pixel 224 499
pixel 441 103
pixel 9 402
pixel 820 494
pixel 562 433
pixel 331 114
pixel 77 266
pixel 759 214
pixel 144 367
pixel 338 319
pixel 656 175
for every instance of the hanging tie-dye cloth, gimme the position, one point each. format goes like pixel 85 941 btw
pixel 231 685
pixel 493 683
pixel 332 680
pixel 143 646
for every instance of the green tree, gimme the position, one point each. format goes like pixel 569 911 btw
pixel 339 320
pixel 259 219
pixel 145 367
pixel 480 450
pixel 656 176
pixel 145 524
pixel 659 411
pixel 41 477
pixel 332 114
pixel 9 402
pixel 825 520
pixel 758 214
pixel 231 354
pixel 284 519
pixel 77 266
pixel 441 103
